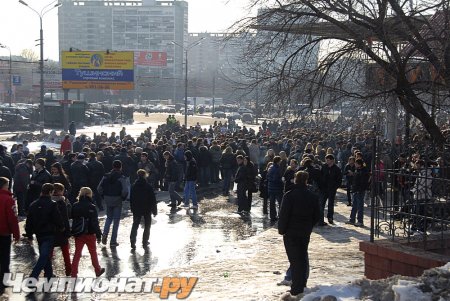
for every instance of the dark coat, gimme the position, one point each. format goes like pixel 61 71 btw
pixel 204 158
pixel 331 177
pixel 38 179
pixel 228 161
pixel 128 164
pixel 79 173
pixel 191 170
pixel 64 208
pixel 8 162
pixel 6 173
pixel 84 207
pixel 241 177
pixel 289 176
pixel 43 218
pixel 274 182
pixel 142 198
pixel 360 180
pixel 171 173
pixel 300 211
pixel 96 172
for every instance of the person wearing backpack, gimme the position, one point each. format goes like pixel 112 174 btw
pixel 114 190
pixel 85 209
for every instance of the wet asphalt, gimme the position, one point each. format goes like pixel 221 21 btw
pixel 177 239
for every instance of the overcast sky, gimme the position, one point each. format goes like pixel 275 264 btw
pixel 20 25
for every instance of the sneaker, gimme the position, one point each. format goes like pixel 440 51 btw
pixel 321 224
pixel 285 282
pixel 350 222
pixel 104 239
pixel 330 221
pixel 358 224
pixel 114 244
pixel 101 272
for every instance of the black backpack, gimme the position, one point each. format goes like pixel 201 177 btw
pixel 112 186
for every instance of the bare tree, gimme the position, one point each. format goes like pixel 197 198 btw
pixel 29 55
pixel 335 49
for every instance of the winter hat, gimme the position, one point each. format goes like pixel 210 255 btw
pixel 188 155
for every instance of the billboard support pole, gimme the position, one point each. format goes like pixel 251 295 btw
pixel 66 110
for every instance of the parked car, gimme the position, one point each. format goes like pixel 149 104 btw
pixel 234 116
pixel 244 110
pixel 219 114
pixel 247 118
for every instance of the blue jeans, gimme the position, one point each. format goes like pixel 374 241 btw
pixel 174 196
pixel 274 197
pixel 44 261
pixel 113 213
pixel 189 192
pixel 227 174
pixel 358 206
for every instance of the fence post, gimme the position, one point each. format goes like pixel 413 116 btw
pixel 373 184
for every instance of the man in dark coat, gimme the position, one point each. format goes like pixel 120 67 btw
pixel 241 179
pixel 330 181
pixel 79 175
pixel 96 173
pixel 300 211
pixel 39 177
pixel 143 205
pixel 44 220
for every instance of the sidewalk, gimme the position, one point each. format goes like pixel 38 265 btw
pixel 260 262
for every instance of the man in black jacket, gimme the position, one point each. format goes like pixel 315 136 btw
pixel 44 220
pixel 143 205
pixel 96 173
pixel 300 211
pixel 171 176
pixel 79 175
pixel 191 179
pixel 330 182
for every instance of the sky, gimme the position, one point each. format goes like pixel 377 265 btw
pixel 20 25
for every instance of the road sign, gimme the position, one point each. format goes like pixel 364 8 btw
pixel 16 80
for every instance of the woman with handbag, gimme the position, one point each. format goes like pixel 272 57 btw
pixel 86 230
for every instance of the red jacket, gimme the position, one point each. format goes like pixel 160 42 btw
pixel 65 146
pixel 8 215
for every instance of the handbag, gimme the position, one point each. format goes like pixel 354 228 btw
pixel 79 226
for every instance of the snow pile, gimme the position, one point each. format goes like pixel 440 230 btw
pixel 340 292
pixel 433 285
pixel 409 290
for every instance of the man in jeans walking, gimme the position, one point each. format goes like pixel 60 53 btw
pixel 44 220
pixel 191 179
pixel 114 189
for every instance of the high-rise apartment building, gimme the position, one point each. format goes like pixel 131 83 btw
pixel 131 25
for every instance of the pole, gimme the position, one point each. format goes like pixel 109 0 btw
pixel 41 69
pixel 66 110
pixel 185 88
pixel 214 93
pixel 10 79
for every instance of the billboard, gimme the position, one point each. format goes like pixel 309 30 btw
pixel 150 58
pixel 52 78
pixel 98 70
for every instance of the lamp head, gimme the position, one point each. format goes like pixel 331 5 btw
pixel 23 2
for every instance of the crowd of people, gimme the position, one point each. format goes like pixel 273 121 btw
pixel 280 160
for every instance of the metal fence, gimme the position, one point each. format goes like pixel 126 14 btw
pixel 411 200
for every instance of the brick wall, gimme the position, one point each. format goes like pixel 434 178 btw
pixel 385 258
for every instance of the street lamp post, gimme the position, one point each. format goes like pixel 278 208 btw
pixel 186 49
pixel 44 10
pixel 10 73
